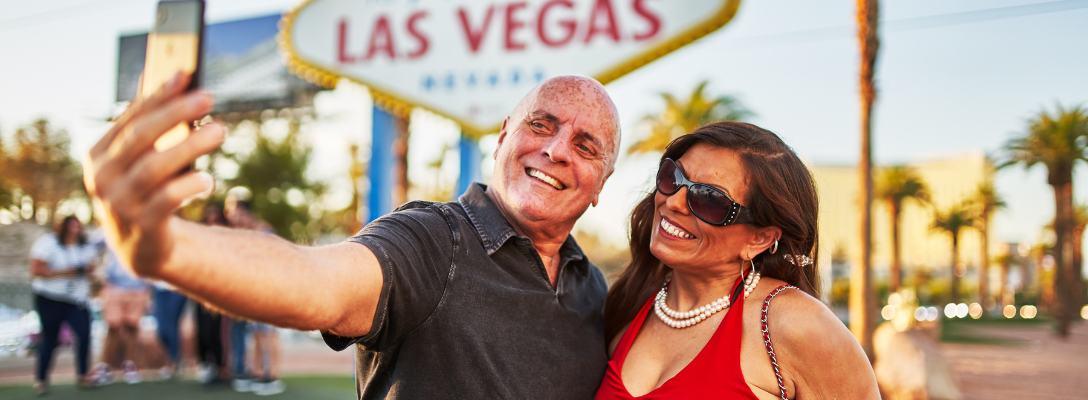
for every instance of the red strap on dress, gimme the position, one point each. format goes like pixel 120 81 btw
pixel 767 337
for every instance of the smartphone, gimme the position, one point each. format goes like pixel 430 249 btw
pixel 175 44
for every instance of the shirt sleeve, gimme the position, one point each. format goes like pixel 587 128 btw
pixel 42 248
pixel 415 247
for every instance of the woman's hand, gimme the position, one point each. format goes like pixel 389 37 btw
pixel 136 187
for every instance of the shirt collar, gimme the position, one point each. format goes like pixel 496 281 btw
pixel 494 229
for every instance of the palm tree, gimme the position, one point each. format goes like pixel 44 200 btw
pixel 952 222
pixel 1057 141
pixel 895 185
pixel 987 202
pixel 682 117
pixel 862 306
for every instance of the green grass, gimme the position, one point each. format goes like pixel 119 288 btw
pixel 306 387
pixel 959 331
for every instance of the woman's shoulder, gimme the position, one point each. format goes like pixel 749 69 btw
pixel 795 319
pixel 44 245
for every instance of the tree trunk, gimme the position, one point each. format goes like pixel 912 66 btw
pixel 895 273
pixel 984 261
pixel 1078 268
pixel 955 262
pixel 862 306
pixel 1003 285
pixel 400 163
pixel 1063 253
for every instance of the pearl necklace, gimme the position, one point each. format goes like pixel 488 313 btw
pixel 685 319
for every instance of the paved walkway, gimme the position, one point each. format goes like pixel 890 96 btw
pixel 1043 367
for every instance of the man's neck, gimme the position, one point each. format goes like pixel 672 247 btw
pixel 547 236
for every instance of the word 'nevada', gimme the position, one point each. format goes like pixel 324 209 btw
pixel 556 26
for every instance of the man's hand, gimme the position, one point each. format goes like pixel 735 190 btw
pixel 137 188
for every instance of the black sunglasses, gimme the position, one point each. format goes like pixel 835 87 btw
pixel 708 203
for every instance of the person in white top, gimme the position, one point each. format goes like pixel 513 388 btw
pixel 60 265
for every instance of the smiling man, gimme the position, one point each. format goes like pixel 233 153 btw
pixel 485 297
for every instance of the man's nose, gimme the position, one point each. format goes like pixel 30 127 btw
pixel 557 147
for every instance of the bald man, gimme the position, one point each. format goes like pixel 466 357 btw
pixel 485 297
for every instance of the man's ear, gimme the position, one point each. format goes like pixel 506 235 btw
pixel 502 136
pixel 597 196
pixel 762 240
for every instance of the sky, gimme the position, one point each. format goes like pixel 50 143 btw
pixel 954 76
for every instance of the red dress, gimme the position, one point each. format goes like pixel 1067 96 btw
pixel 713 374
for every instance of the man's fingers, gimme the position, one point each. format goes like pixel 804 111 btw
pixel 174 193
pixel 153 169
pixel 170 88
pixel 140 134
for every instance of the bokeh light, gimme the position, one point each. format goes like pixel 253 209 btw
pixel 961 310
pixel 975 310
pixel 895 300
pixel 888 312
pixel 950 310
pixel 1009 311
pixel 1084 312
pixel 1028 312
pixel 932 313
pixel 920 313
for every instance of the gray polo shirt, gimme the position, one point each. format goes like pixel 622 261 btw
pixel 468 312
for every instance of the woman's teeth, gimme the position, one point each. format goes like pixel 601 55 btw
pixel 546 179
pixel 675 231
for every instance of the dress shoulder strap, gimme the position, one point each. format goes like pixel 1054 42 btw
pixel 767 337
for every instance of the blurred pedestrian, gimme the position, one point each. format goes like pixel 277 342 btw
pixel 60 265
pixel 240 379
pixel 266 360
pixel 124 303
pixel 209 323
pixel 167 311
pixel 266 349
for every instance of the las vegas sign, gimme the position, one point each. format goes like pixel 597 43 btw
pixel 472 61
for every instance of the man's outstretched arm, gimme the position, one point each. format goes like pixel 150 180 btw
pixel 253 275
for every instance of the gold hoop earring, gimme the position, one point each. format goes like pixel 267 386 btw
pixel 774 248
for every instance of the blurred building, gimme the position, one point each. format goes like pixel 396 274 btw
pixel 951 179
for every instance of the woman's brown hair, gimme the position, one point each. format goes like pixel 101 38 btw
pixel 61 231
pixel 781 193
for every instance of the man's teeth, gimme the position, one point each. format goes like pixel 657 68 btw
pixel 546 179
pixel 673 230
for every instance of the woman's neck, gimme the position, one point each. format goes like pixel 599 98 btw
pixel 691 290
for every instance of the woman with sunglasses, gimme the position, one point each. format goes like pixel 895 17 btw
pixel 733 217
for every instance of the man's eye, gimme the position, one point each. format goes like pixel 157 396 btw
pixel 537 125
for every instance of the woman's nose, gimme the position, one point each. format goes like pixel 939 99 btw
pixel 678 201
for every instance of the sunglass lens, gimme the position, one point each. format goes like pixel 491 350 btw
pixel 710 204
pixel 668 179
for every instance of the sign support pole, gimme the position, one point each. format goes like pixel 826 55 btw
pixel 381 164
pixel 470 163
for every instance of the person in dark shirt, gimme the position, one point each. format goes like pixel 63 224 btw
pixel 485 297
